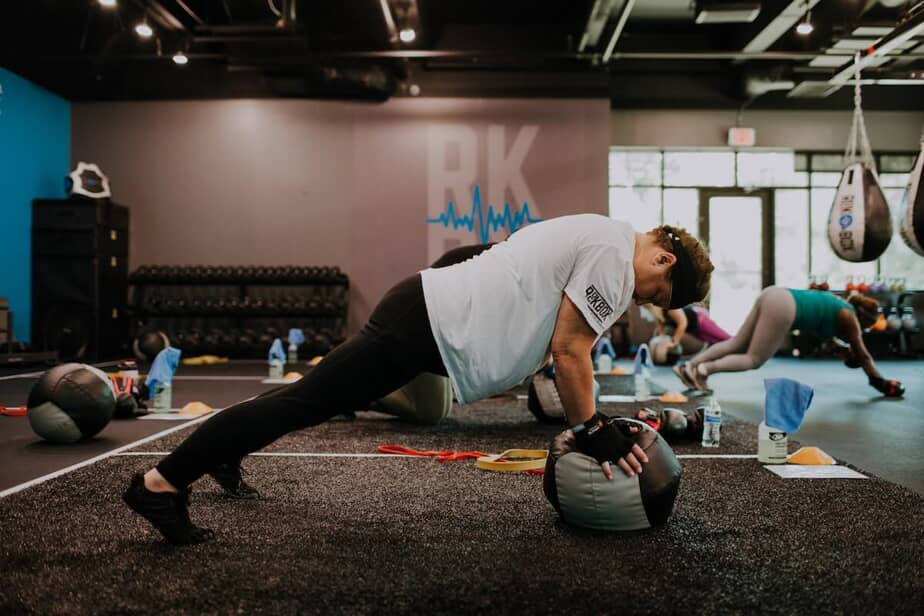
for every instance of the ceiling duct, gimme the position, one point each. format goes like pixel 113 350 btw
pixel 757 83
pixel 370 84
pixel 726 11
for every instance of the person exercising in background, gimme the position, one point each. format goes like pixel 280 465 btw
pixel 487 323
pixel 693 320
pixel 778 311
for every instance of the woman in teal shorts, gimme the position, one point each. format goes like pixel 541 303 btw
pixel 778 311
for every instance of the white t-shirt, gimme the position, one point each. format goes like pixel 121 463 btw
pixel 493 315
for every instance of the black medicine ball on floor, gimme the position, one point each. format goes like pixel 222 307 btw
pixel 148 344
pixel 70 402
pixel 575 484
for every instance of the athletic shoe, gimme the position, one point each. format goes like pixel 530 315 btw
pixel 229 478
pixel 681 372
pixel 168 512
pixel 698 380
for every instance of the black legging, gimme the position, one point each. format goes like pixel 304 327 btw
pixel 392 348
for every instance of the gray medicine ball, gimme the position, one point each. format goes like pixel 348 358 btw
pixel 583 496
pixel 71 402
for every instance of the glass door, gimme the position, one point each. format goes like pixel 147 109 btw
pixel 735 225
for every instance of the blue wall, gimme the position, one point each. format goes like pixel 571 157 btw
pixel 35 146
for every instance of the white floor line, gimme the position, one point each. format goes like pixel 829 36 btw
pixel 102 456
pixel 729 456
pixel 218 377
pixel 283 454
pixel 24 375
pixel 29 375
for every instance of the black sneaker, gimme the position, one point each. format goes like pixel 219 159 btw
pixel 167 511
pixel 229 478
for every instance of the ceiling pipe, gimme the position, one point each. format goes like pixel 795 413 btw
pixel 623 18
pixel 289 17
pixel 420 54
pixel 596 22
pixel 779 25
pixel 192 14
pixel 390 26
pixel 160 15
pixel 878 51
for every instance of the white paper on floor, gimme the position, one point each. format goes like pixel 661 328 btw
pixel 802 471
pixel 616 398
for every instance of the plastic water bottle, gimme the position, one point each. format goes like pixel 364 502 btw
pixel 909 323
pixel 772 445
pixel 275 369
pixel 604 364
pixel 163 398
pixel 293 353
pixel 712 423
pixel 642 392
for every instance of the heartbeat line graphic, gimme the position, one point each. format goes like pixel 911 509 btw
pixel 487 223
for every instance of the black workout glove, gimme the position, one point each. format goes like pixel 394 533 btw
pixel 602 441
pixel 890 388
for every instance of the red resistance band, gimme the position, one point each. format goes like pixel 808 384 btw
pixel 441 456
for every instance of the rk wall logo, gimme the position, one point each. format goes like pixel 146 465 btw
pixel 461 210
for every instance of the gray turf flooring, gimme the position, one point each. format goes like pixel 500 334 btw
pixel 399 535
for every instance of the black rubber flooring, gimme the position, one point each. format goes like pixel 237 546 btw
pixel 354 535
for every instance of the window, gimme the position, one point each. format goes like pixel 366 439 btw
pixel 791 237
pixel 639 206
pixel 699 168
pixel 651 186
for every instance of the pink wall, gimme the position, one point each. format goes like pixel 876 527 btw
pixel 274 182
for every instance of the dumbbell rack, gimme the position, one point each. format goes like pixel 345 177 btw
pixel 237 311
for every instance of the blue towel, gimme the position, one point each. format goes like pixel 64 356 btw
pixel 162 369
pixel 642 359
pixel 276 351
pixel 296 336
pixel 786 403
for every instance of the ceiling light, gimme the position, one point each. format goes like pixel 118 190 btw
pixel 144 30
pixel 108 4
pixel 407 35
pixel 805 26
pixel 726 11
pixel 180 58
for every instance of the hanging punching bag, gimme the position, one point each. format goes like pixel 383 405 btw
pixel 911 218
pixel 859 225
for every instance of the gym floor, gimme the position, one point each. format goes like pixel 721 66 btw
pixel 342 529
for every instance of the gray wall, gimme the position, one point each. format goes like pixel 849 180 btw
pixel 801 130
pixel 275 182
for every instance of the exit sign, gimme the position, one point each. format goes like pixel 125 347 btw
pixel 739 136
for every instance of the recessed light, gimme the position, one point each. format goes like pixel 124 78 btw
pixel 144 30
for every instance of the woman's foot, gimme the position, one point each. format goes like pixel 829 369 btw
pixel 698 377
pixel 681 372
pixel 232 482
pixel 167 511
